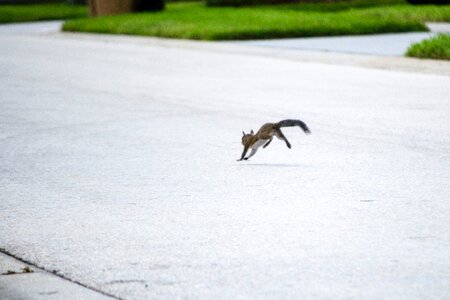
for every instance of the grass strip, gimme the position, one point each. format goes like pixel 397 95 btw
pixel 437 47
pixel 195 21
pixel 40 12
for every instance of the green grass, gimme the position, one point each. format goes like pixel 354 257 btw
pixel 435 48
pixel 340 5
pixel 40 12
pixel 195 21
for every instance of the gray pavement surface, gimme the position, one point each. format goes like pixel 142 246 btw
pixel 34 28
pixel 394 44
pixel 439 27
pixel 118 168
pixel 38 284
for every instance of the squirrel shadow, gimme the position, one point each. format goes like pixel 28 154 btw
pixel 275 165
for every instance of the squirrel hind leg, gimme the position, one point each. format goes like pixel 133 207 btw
pixel 279 134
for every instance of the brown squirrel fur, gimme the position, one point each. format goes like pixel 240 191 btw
pixel 265 135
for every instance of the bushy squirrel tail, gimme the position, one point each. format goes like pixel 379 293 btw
pixel 291 123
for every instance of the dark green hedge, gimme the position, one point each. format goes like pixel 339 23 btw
pixel 28 1
pixel 246 2
pixel 429 1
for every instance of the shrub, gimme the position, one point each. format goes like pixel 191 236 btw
pixel 27 1
pixel 77 2
pixel 429 1
pixel 148 5
pixel 246 2
pixel 307 3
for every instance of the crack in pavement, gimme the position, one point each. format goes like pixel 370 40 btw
pixel 12 255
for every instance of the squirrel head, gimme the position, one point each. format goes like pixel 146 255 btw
pixel 246 137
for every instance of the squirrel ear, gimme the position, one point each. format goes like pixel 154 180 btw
pixel 243 133
pixel 251 132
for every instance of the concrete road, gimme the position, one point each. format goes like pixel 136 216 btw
pixel 22 281
pixel 118 170
pixel 393 44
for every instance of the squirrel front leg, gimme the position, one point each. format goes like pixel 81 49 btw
pixel 251 154
pixel 243 153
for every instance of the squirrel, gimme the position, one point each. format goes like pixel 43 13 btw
pixel 265 135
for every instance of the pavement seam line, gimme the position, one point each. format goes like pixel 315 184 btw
pixel 12 255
